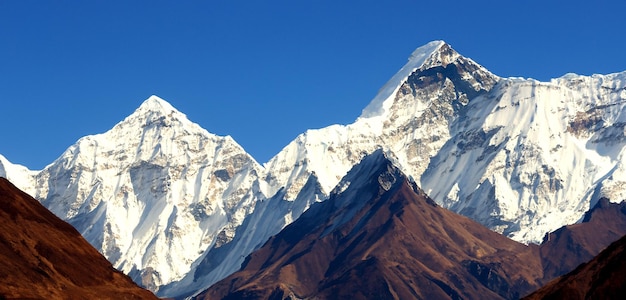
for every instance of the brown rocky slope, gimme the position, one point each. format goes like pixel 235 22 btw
pixel 604 277
pixel 383 238
pixel 42 257
pixel 566 248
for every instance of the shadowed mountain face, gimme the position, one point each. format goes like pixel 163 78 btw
pixel 381 237
pixel 178 208
pixel 41 256
pixel 571 245
pixel 604 277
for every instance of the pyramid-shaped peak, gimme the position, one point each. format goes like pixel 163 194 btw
pixel 377 158
pixel 432 55
pixel 422 58
pixel 155 110
pixel 155 103
pixel 378 165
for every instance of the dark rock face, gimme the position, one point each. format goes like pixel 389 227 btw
pixel 451 82
pixel 384 240
pixel 604 277
pixel 43 257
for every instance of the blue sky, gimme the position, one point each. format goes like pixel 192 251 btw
pixel 262 71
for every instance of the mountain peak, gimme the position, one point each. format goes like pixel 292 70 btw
pixel 429 55
pixel 425 51
pixel 429 60
pixel 17 174
pixel 373 164
pixel 441 55
pixel 349 244
pixel 156 104
pixel 155 110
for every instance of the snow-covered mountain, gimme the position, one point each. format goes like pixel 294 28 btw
pixel 515 154
pixel 153 193
pixel 542 152
pixel 179 208
pixel 378 236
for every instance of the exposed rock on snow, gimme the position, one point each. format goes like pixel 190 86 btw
pixel 178 208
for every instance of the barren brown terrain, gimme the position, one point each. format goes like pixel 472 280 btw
pixel 393 242
pixel 400 245
pixel 43 257
pixel 604 277
pixel 571 245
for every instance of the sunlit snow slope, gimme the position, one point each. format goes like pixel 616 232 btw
pixel 520 156
pixel 179 208
pixel 153 193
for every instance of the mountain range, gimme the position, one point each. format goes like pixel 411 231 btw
pixel 178 208
pixel 379 236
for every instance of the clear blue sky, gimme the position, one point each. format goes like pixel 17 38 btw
pixel 262 71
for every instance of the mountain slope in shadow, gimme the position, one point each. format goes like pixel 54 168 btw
pixel 43 257
pixel 566 248
pixel 380 236
pixel 604 277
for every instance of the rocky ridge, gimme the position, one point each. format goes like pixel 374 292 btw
pixel 379 236
pixel 520 156
pixel 151 192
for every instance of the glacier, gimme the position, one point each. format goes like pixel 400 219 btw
pixel 178 208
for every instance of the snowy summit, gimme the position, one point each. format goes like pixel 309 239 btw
pixel 178 208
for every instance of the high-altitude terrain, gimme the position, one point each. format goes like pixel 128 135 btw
pixel 178 208
pixel 379 236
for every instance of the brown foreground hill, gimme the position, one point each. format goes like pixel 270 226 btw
pixel 384 238
pixel 378 237
pixel 43 257
pixel 604 277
